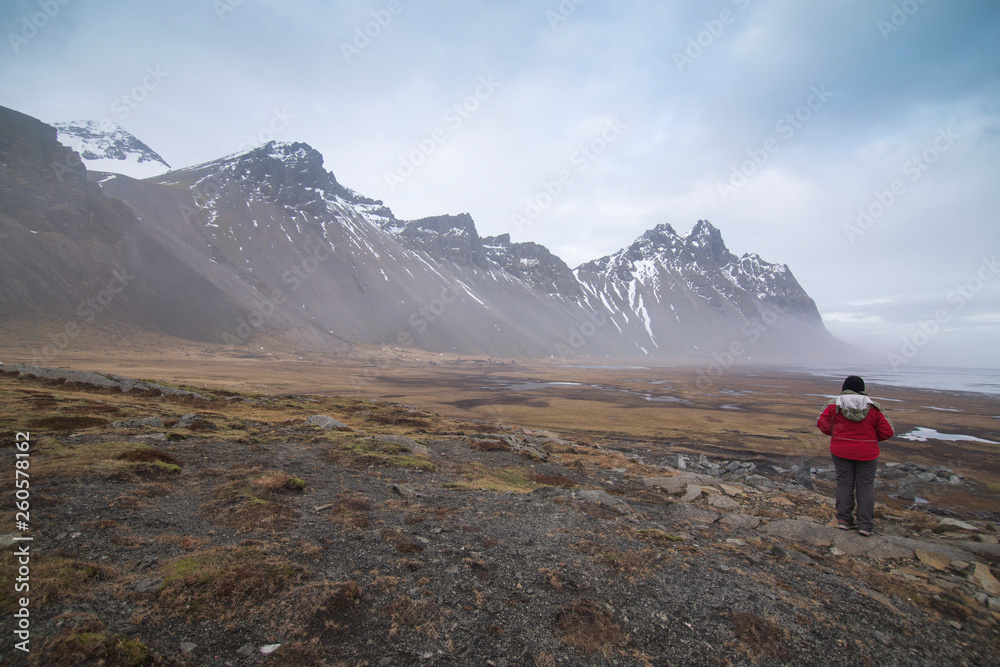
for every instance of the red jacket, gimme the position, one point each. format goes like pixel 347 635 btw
pixel 856 426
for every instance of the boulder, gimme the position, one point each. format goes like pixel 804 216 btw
pixel 328 423
pixel 154 422
pixel 411 445
pixel 187 420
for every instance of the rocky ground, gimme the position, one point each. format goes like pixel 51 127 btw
pixel 230 529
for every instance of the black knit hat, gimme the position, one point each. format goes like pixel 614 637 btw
pixel 855 384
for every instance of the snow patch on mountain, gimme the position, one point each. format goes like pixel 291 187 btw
pixel 108 147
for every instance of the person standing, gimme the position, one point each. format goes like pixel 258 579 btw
pixel 855 424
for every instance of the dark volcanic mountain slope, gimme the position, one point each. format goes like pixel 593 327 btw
pixel 274 219
pixel 533 262
pixel 68 252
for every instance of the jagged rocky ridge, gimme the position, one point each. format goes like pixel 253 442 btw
pixel 302 256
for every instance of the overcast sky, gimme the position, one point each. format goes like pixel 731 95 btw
pixel 580 124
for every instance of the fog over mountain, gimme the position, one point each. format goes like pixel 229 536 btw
pixel 267 242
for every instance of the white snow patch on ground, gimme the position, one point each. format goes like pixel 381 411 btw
pixel 922 434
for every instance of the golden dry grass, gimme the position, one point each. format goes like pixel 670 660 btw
pixel 589 628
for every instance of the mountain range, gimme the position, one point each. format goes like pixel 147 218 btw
pixel 268 243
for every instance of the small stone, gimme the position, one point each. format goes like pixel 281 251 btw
pixel 188 647
pixel 246 649
pixel 406 491
pixel 269 648
pixel 731 489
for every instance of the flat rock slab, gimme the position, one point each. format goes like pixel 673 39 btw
pixel 740 520
pixel 692 514
pixel 938 561
pixel 725 504
pixel 985 579
pixel 852 544
pixel 889 551
pixel 677 484
pixel 691 493
pixel 801 531
pixel 598 497
pixel 884 547
pixel 949 550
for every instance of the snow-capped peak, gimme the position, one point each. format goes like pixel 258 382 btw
pixel 108 147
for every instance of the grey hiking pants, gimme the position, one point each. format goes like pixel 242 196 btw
pixel 855 478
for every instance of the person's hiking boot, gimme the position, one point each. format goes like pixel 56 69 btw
pixel 864 533
pixel 843 525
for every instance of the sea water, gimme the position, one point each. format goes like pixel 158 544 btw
pixel 977 380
